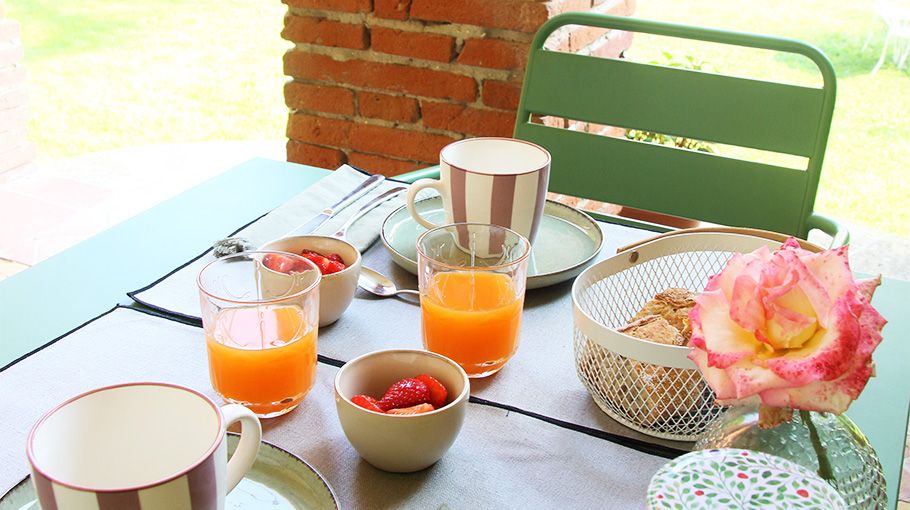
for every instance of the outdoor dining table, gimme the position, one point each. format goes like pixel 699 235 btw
pixel 532 435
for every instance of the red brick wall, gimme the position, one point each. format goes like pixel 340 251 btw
pixel 384 84
pixel 15 149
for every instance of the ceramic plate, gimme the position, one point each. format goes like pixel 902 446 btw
pixel 567 240
pixel 277 481
pixel 730 478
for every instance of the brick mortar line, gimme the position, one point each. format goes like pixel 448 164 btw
pixel 457 30
pixel 347 150
pixel 370 121
pixel 477 103
pixel 370 55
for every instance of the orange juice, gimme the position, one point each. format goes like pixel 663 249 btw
pixel 472 318
pixel 263 357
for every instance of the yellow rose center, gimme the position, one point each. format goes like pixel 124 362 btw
pixel 786 333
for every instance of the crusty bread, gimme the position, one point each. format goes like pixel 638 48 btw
pixel 647 393
pixel 672 304
pixel 654 328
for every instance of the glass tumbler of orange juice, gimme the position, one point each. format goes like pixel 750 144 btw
pixel 472 287
pixel 260 328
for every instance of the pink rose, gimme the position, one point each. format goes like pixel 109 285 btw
pixel 791 327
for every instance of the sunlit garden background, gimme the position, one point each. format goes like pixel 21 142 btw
pixel 108 74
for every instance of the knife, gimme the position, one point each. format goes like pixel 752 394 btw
pixel 369 206
pixel 364 187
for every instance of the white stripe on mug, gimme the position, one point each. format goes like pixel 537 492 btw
pixel 501 181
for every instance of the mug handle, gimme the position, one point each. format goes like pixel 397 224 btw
pixel 248 447
pixel 412 194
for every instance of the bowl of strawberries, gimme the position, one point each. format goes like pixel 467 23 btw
pixel 401 409
pixel 337 260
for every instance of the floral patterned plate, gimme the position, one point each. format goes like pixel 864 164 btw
pixel 738 479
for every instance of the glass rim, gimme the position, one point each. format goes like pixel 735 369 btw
pixel 522 258
pixel 306 290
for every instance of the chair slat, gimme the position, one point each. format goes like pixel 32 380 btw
pixel 723 109
pixel 657 178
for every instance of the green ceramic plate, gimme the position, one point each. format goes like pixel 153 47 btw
pixel 277 481
pixel 729 478
pixel 567 240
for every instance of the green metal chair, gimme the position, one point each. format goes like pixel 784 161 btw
pixel 767 116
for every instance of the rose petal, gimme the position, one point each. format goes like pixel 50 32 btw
pixel 828 354
pixel 724 340
pixel 867 287
pixel 746 304
pixel 790 327
pixel 725 279
pixel 823 396
pixel 749 379
pixel 716 378
pixel 787 328
pixel 812 288
pixel 832 270
pixel 792 244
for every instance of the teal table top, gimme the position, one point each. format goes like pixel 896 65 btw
pixel 53 297
pixel 57 295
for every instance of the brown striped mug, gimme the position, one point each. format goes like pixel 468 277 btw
pixel 498 181
pixel 139 446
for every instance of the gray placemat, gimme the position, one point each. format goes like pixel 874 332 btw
pixel 501 459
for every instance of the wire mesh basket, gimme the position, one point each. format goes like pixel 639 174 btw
pixel 650 387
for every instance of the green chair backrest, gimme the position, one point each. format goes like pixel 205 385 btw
pixel 763 115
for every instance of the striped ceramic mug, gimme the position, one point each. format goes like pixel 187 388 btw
pixel 498 181
pixel 139 446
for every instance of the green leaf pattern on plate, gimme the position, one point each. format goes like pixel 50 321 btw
pixel 738 479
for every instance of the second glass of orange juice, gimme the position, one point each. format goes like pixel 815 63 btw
pixel 472 286
pixel 260 330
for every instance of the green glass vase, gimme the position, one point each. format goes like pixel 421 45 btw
pixel 852 467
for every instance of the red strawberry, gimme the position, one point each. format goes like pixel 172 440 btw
pixel 419 408
pixel 367 402
pixel 405 393
pixel 282 263
pixel 333 266
pixel 325 265
pixel 336 257
pixel 438 392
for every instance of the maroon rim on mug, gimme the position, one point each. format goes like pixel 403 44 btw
pixel 467 140
pixel 29 449
pixel 525 243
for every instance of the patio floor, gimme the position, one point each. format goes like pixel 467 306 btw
pixel 49 206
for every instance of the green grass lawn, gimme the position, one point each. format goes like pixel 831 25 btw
pixel 108 74
pixel 866 173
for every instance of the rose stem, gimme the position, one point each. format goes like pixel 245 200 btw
pixel 824 466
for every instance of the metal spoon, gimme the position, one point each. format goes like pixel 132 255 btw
pixel 375 282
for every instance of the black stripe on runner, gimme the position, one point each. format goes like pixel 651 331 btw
pixel 55 340
pixel 628 442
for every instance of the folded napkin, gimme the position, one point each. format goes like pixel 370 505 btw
pixel 176 293
pixel 317 197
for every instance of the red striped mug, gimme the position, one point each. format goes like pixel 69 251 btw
pixel 498 181
pixel 139 446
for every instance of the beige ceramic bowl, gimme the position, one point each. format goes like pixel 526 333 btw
pixel 400 444
pixel 336 290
